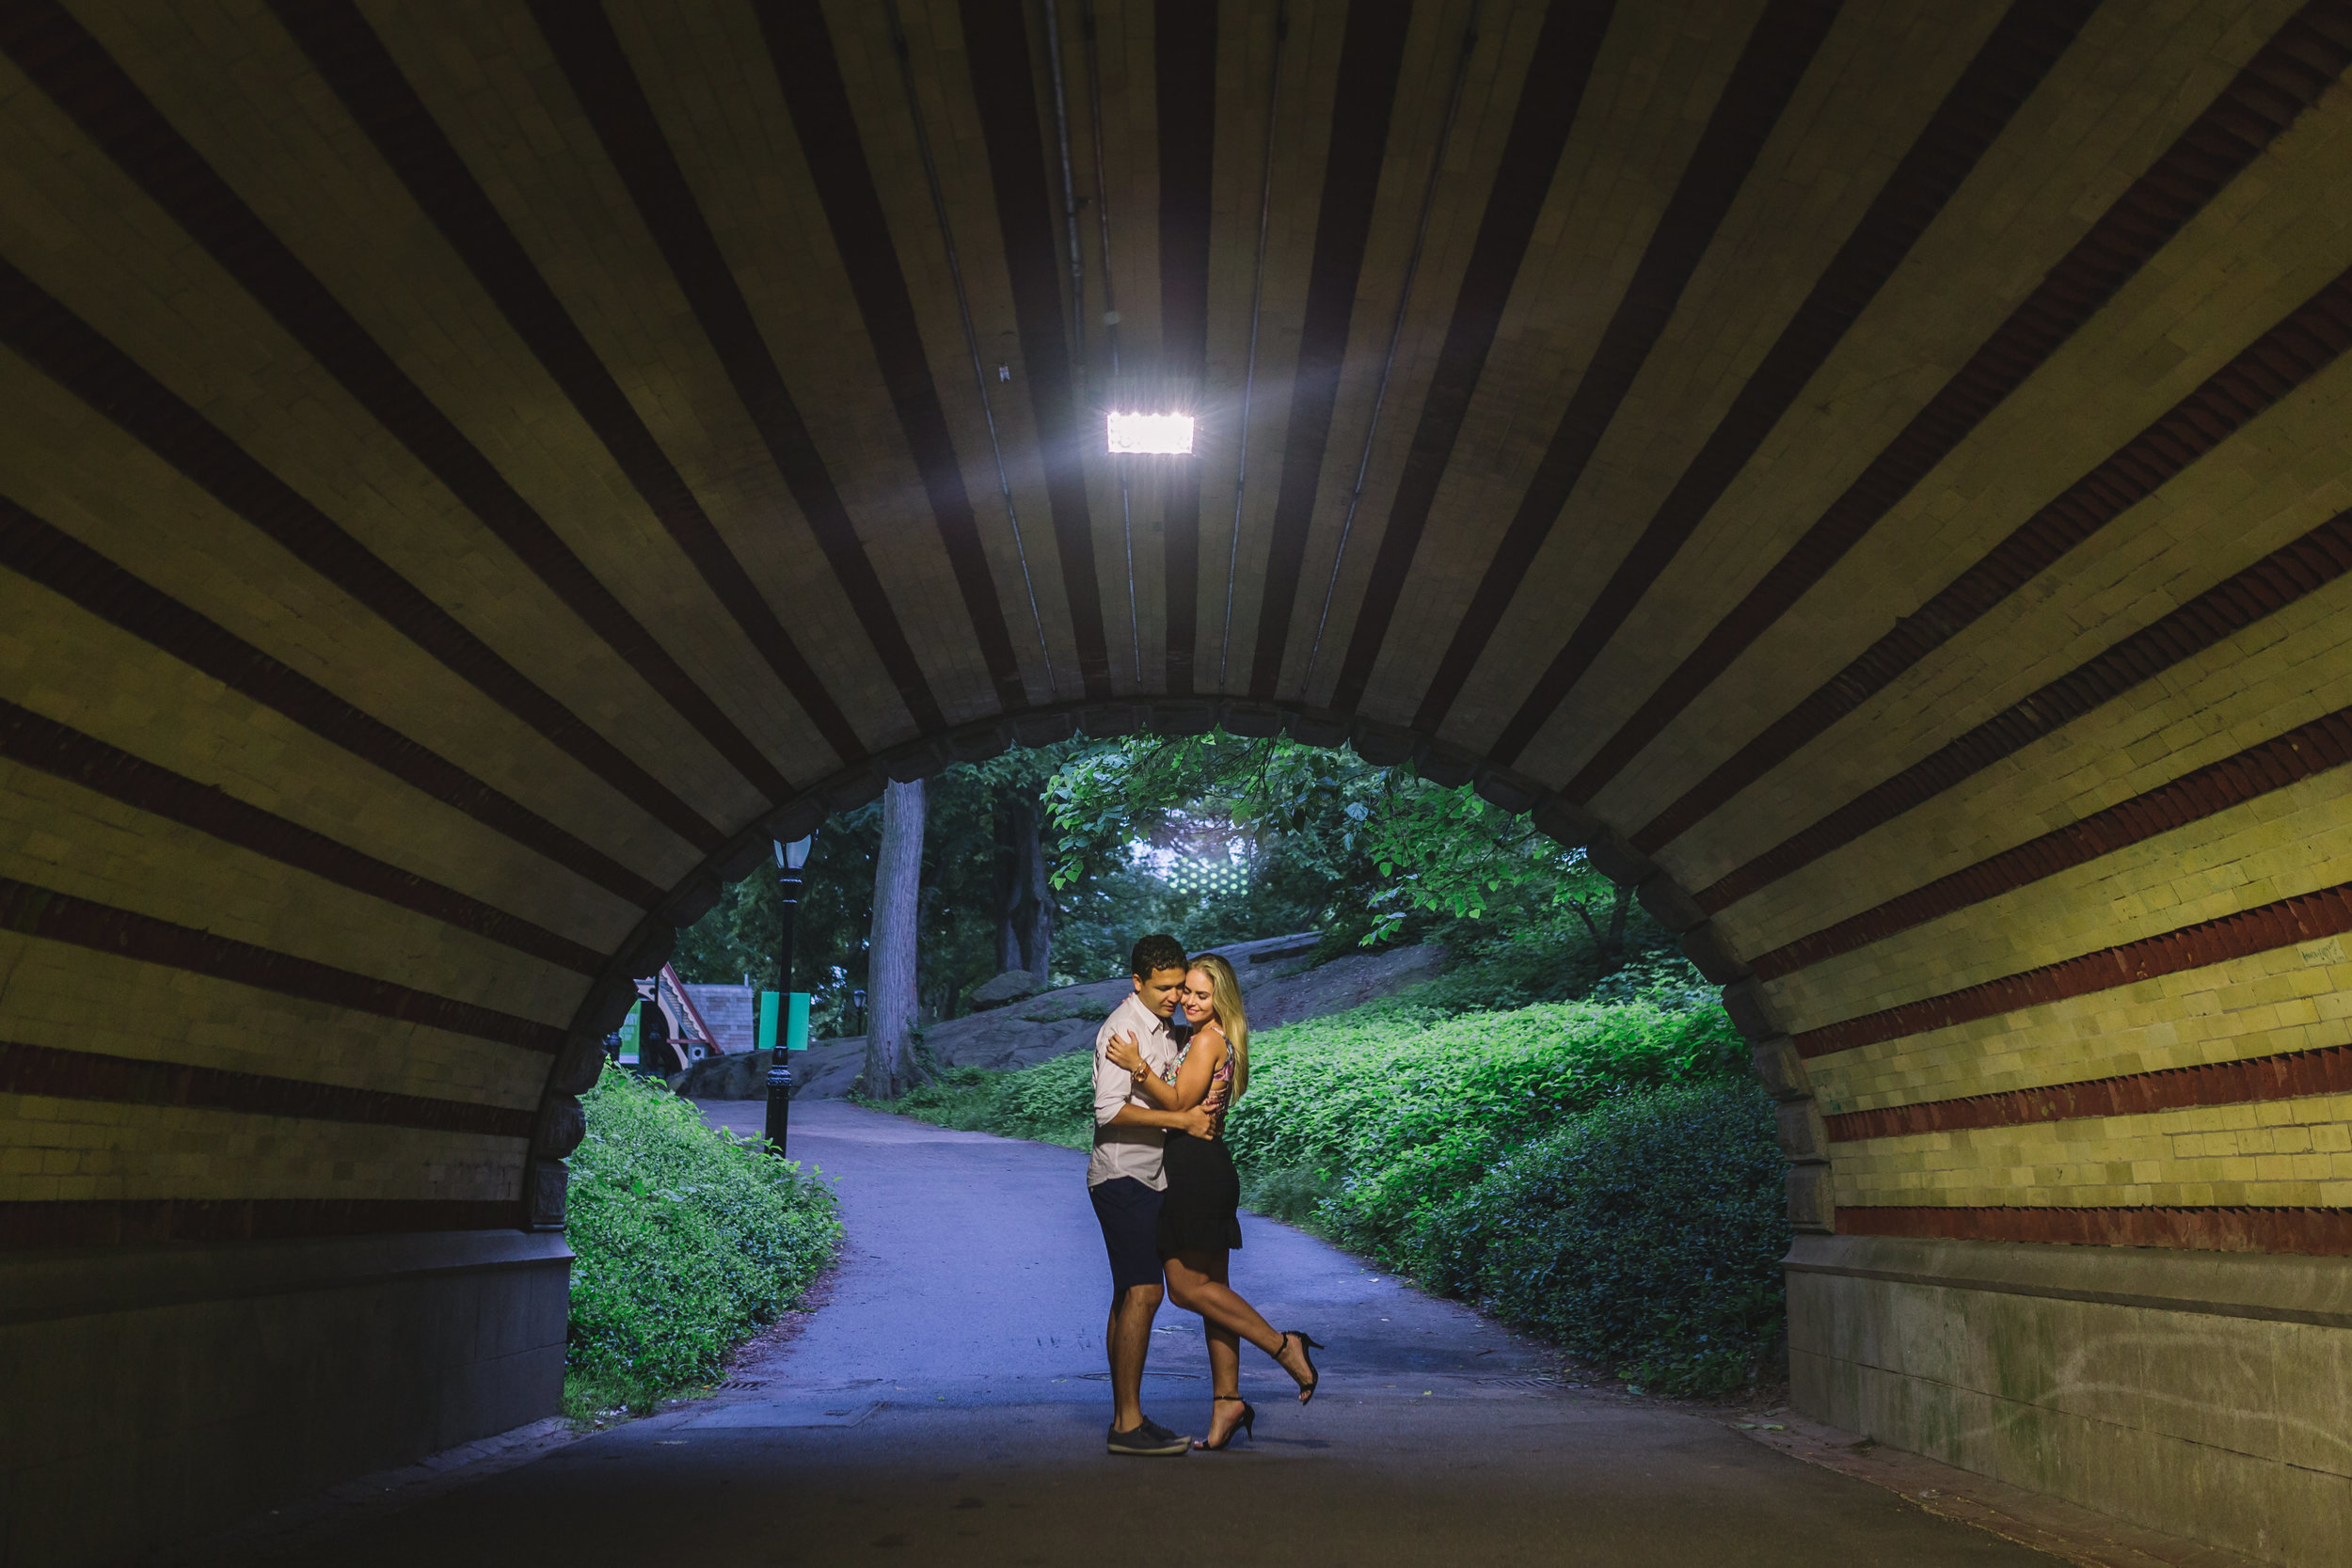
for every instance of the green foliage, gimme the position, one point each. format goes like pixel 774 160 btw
pixel 685 1242
pixel 959 918
pixel 1370 854
pixel 1644 1234
pixel 1399 1106
pixel 1052 1103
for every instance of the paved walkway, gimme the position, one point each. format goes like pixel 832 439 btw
pixel 948 1406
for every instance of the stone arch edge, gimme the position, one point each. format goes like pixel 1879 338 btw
pixel 560 1124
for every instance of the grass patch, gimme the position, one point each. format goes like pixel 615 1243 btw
pixel 686 1242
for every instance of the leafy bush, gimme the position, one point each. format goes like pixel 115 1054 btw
pixel 1397 1107
pixel 1644 1234
pixel 685 1241
pixel 1052 1103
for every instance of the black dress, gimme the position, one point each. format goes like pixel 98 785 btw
pixel 1200 1210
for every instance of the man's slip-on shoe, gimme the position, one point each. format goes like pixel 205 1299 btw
pixel 1149 1441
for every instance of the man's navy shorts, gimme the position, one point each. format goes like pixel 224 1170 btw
pixel 1130 1212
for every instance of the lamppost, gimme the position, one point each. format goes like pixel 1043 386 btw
pixel 790 858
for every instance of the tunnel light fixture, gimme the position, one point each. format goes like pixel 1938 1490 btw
pixel 1168 435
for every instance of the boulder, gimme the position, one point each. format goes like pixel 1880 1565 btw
pixel 1013 985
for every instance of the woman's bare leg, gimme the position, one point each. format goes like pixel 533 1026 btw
pixel 1196 1282
pixel 1225 1380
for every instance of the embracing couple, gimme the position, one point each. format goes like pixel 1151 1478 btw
pixel 1169 1062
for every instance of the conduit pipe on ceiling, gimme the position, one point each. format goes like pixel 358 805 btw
pixel 971 336
pixel 1249 366
pixel 1069 196
pixel 1396 333
pixel 1110 311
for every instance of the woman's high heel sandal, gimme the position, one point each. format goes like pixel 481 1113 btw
pixel 1307 1345
pixel 1247 1424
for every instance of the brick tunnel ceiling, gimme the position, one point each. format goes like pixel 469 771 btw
pixel 474 470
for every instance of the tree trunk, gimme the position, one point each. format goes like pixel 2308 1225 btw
pixel 1025 935
pixel 890 996
pixel 1617 913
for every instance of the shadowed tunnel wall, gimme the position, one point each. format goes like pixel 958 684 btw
pixel 1876 476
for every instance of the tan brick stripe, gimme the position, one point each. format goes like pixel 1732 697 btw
pixel 39 912
pixel 996 52
pixel 35 549
pixel 1769 68
pixel 2290 73
pixel 2290 1075
pixel 41 1070
pixel 2006 71
pixel 27 1226
pixel 85 363
pixel 2302 753
pixel 592 59
pixel 2277 580
pixel 355 63
pixel 28 738
pixel 2303 918
pixel 2309 1232
pixel 68 65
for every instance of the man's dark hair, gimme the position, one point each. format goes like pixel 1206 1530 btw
pixel 1155 953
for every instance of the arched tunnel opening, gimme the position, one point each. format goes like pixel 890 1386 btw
pixel 1872 477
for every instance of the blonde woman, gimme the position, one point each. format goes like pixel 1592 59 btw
pixel 1199 1223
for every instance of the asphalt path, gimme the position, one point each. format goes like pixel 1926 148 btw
pixel 947 1404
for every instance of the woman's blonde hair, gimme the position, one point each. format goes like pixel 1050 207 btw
pixel 1225 996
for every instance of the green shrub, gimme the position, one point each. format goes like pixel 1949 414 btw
pixel 1397 1108
pixel 1052 1103
pixel 685 1241
pixel 1644 1234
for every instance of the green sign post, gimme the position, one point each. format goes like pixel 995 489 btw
pixel 795 1020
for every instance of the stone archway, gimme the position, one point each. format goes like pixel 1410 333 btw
pixel 1874 478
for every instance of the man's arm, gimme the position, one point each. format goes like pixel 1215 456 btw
pixel 1196 1121
pixel 1112 1084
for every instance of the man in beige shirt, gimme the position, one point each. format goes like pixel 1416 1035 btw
pixel 1124 1180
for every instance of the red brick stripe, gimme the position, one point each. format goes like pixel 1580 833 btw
pixel 27 1226
pixel 2006 71
pixel 35 549
pixel 2305 342
pixel 39 912
pixel 27 737
pixel 2293 1075
pixel 2304 918
pixel 68 64
pixel 1004 90
pixel 355 64
pixel 2266 98
pixel 78 358
pixel 126 1081
pixel 2307 1232
pixel 1557 71
pixel 1769 68
pixel 801 50
pixel 600 75
pixel 2299 753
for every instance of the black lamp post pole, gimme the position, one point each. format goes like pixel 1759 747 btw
pixel 779 1074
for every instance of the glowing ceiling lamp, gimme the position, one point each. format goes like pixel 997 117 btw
pixel 1165 434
